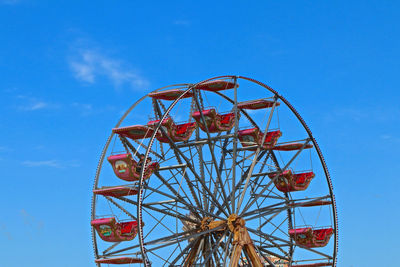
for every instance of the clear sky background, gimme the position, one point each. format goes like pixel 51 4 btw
pixel 68 69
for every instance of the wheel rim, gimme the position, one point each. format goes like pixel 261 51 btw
pixel 198 194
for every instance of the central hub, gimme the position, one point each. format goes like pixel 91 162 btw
pixel 235 222
pixel 205 223
pixel 208 223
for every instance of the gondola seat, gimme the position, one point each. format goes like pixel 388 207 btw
pixel 311 238
pixel 257 104
pixel 112 231
pixel 134 132
pixel 176 132
pixel 126 168
pixel 216 85
pixel 292 146
pixel 253 136
pixel 117 191
pixel 215 122
pixel 119 260
pixel 289 182
pixel 171 94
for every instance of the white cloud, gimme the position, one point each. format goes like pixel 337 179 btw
pixel 390 138
pixel 37 105
pixel 34 104
pixel 45 163
pixel 50 163
pixel 29 103
pixel 83 71
pixel 89 64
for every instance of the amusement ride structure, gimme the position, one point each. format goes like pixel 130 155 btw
pixel 224 172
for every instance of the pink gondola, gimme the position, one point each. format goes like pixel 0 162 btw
pixel 289 182
pixel 216 85
pixel 112 231
pixel 311 204
pixel 119 260
pixel 134 132
pixel 171 94
pixel 311 238
pixel 177 132
pixel 118 191
pixel 257 104
pixel 291 147
pixel 253 136
pixel 126 168
pixel 215 122
pixel 318 264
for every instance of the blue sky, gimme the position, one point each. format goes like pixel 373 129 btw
pixel 69 69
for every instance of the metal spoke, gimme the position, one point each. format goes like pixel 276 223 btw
pixel 179 198
pixel 163 211
pixel 288 242
pixel 180 238
pixel 216 245
pixel 255 157
pixel 185 250
pixel 234 149
pixel 181 154
pixel 275 207
pixel 111 247
pixel 267 236
pixel 121 208
pixel 275 177
pixel 192 208
pixel 243 177
pixel 212 152
pixel 159 222
pixel 273 254
pixel 157 241
pixel 227 246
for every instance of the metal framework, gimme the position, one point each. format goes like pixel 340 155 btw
pixel 215 200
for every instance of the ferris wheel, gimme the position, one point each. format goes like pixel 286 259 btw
pixel 224 172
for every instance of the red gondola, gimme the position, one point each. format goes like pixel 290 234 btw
pixel 215 122
pixel 257 104
pixel 289 182
pixel 126 168
pixel 291 147
pixel 171 94
pixel 311 238
pixel 318 264
pixel 251 137
pixel 216 85
pixel 134 132
pixel 112 231
pixel 177 132
pixel 117 191
pixel 119 260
